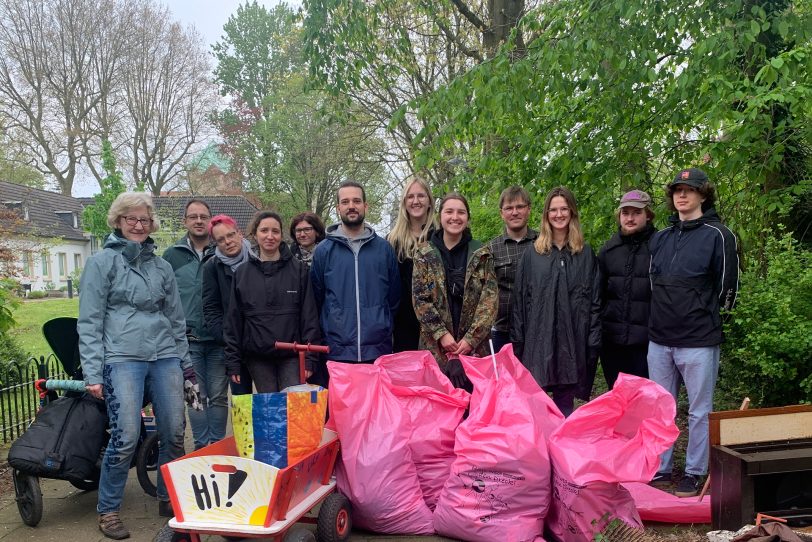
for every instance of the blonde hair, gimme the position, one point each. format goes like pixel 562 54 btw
pixel 130 200
pixel 575 236
pixel 401 237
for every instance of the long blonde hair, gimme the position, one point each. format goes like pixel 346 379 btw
pixel 401 237
pixel 575 236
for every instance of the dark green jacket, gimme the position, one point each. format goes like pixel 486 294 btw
pixel 188 268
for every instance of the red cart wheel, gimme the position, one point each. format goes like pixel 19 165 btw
pixel 335 519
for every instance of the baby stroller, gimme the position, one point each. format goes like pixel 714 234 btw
pixel 67 439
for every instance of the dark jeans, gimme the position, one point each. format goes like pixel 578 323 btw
pixel 500 339
pixel 564 398
pixel 273 375
pixel 621 358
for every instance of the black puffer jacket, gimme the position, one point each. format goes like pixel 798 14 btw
pixel 270 301
pixel 694 273
pixel 625 286
pixel 555 324
pixel 217 279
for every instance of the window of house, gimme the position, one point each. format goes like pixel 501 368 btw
pixel 77 261
pixel 62 259
pixel 28 263
pixel 46 264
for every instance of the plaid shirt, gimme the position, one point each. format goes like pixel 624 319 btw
pixel 506 255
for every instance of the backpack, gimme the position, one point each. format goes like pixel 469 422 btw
pixel 65 441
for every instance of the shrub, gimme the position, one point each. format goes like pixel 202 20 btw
pixel 768 336
pixel 36 294
pixel 11 355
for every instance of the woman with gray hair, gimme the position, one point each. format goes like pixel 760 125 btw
pixel 132 342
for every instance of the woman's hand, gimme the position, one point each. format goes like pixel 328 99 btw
pixel 463 348
pixel 235 379
pixel 308 373
pixel 447 343
pixel 96 390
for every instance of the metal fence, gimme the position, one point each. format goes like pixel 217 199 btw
pixel 19 400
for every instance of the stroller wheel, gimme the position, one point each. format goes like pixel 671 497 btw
pixel 29 497
pixel 146 464
pixel 85 485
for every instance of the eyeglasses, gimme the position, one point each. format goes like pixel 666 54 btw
pixel 230 236
pixel 511 208
pixel 133 220
pixel 298 231
pixel 198 217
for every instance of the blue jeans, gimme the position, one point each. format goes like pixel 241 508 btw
pixel 209 424
pixel 126 383
pixel 698 368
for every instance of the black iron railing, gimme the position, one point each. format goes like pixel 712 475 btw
pixel 19 400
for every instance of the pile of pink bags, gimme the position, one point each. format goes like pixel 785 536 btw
pixel 617 437
pixel 513 469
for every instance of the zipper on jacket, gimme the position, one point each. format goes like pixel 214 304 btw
pixel 357 302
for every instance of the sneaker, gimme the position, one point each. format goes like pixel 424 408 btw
pixel 661 480
pixel 111 526
pixel 689 486
pixel 165 509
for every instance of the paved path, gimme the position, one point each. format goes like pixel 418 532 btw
pixel 70 516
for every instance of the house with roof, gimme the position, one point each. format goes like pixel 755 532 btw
pixel 43 233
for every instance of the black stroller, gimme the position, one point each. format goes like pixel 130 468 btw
pixel 67 439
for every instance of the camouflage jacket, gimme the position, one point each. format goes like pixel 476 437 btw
pixel 479 303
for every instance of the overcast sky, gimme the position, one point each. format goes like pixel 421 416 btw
pixel 209 16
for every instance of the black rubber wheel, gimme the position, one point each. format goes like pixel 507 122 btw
pixel 146 464
pixel 85 485
pixel 300 534
pixel 29 497
pixel 335 519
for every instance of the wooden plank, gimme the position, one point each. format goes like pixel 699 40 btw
pixel 762 428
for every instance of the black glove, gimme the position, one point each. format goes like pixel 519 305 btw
pixel 191 391
pixel 456 374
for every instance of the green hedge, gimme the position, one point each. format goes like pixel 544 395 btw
pixel 768 336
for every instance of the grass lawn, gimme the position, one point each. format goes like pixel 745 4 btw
pixel 30 316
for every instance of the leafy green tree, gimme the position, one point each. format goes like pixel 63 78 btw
pixel 94 217
pixel 618 94
pixel 277 133
pixel 257 52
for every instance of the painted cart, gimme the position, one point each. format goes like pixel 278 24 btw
pixel 215 491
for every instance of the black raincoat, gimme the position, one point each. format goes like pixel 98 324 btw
pixel 555 324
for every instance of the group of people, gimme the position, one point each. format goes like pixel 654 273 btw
pixel 210 311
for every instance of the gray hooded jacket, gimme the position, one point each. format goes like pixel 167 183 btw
pixel 129 309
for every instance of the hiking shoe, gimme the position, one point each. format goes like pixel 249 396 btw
pixel 661 480
pixel 111 526
pixel 165 509
pixel 689 486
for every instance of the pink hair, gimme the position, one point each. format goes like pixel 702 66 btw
pixel 225 220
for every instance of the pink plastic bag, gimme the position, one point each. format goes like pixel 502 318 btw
pixel 376 471
pixel 435 408
pixel 499 489
pixel 656 505
pixel 617 437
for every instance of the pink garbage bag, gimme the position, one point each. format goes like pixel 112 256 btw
pixel 499 489
pixel 376 470
pixel 435 408
pixel 657 505
pixel 617 437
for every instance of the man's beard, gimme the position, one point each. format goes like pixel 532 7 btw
pixel 353 222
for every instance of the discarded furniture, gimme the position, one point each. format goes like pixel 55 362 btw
pixel 761 461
